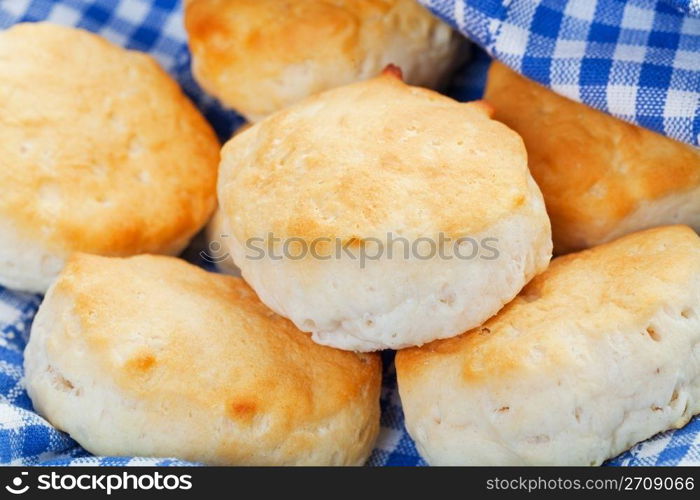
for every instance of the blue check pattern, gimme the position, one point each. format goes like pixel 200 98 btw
pixel 156 27
pixel 638 60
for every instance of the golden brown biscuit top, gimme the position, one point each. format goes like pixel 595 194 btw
pixel 162 329
pixel 100 151
pixel 257 42
pixel 263 27
pixel 370 158
pixel 593 169
pixel 617 286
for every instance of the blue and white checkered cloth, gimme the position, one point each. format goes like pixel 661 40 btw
pixel 156 27
pixel 638 60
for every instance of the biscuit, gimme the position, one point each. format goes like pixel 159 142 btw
pixel 151 356
pixel 259 56
pixel 601 177
pixel 375 167
pixel 597 353
pixel 100 152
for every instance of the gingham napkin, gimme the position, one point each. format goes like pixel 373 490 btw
pixel 636 59
pixel 156 27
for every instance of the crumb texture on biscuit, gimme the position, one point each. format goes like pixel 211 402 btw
pixel 259 56
pixel 600 176
pixel 100 150
pixel 597 353
pixel 151 356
